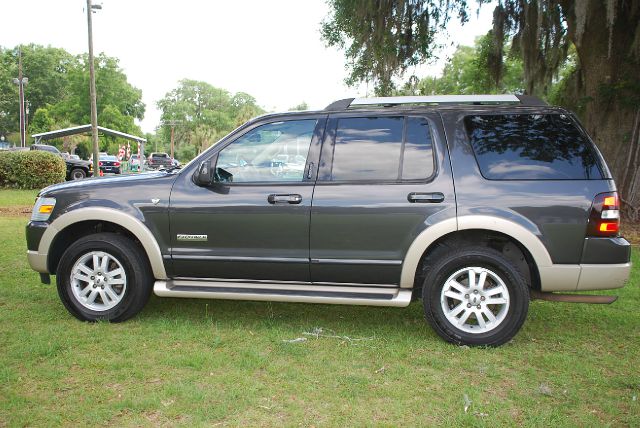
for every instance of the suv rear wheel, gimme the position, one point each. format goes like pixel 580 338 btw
pixel 104 276
pixel 474 295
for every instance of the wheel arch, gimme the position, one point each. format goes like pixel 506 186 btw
pixel 83 219
pixel 526 240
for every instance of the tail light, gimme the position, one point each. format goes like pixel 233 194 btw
pixel 100 163
pixel 604 219
pixel 116 164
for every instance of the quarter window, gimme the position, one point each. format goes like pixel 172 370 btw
pixel 382 149
pixel 531 146
pixel 272 152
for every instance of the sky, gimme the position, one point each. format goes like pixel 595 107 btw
pixel 269 49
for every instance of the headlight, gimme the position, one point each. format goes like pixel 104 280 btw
pixel 42 209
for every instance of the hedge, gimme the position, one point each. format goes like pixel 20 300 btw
pixel 33 169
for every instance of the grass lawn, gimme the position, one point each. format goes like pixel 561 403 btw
pixel 214 362
pixel 19 197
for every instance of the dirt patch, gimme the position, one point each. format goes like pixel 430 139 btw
pixel 631 231
pixel 15 211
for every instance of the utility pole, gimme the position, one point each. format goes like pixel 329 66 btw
pixel 21 81
pixel 92 90
pixel 173 124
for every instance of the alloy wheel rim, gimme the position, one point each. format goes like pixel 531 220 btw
pixel 98 281
pixel 475 300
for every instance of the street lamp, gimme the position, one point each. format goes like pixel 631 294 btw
pixel 173 124
pixel 92 90
pixel 21 81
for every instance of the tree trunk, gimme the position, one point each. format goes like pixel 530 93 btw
pixel 608 85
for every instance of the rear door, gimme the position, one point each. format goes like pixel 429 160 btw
pixel 384 178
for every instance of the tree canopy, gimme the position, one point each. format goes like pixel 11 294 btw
pixel 202 113
pixel 58 94
pixel 467 72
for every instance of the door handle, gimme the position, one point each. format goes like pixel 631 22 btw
pixel 425 198
pixel 285 199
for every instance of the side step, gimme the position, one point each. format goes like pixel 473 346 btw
pixel 284 292
pixel 573 298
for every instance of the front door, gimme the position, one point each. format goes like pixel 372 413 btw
pixel 254 222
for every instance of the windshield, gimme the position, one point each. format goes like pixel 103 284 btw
pixel 108 158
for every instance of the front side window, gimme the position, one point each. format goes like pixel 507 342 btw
pixel 272 152
pixel 531 146
pixel 382 149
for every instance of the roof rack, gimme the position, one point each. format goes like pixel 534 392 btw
pixel 525 100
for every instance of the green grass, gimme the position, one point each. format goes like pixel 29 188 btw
pixel 10 197
pixel 199 362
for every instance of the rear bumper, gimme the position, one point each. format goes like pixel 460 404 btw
pixel 602 277
pixel 584 277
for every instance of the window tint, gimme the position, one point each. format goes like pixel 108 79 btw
pixel 272 152
pixel 370 148
pixel 524 147
pixel 417 161
pixel 367 148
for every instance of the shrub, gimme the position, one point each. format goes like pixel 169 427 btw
pixel 33 169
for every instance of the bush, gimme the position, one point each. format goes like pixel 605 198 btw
pixel 33 169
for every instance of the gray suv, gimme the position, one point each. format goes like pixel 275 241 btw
pixel 472 204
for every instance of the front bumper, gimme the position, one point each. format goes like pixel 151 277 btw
pixel 37 261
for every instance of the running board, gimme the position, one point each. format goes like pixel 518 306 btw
pixel 283 292
pixel 573 298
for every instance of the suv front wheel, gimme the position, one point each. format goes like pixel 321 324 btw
pixel 104 276
pixel 474 295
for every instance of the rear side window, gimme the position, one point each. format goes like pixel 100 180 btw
pixel 531 147
pixel 382 149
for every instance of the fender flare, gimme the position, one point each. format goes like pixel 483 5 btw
pixel 516 231
pixel 127 221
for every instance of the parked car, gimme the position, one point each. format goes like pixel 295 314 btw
pixel 159 160
pixel 472 204
pixel 109 164
pixel 76 168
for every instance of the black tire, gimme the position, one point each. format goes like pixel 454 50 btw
pixel 139 278
pixel 449 259
pixel 78 174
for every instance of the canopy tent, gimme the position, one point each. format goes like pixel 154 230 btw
pixel 83 129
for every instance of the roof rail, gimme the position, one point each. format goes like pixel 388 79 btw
pixel 526 100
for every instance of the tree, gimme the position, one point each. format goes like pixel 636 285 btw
pixel 112 91
pixel 467 72
pixel 300 107
pixel 47 69
pixel 204 113
pixel 58 93
pixel 382 38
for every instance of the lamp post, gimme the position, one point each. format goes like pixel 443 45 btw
pixel 21 81
pixel 173 124
pixel 92 90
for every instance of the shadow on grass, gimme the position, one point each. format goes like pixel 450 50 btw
pixel 353 320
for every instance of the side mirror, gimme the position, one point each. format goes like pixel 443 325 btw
pixel 204 175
